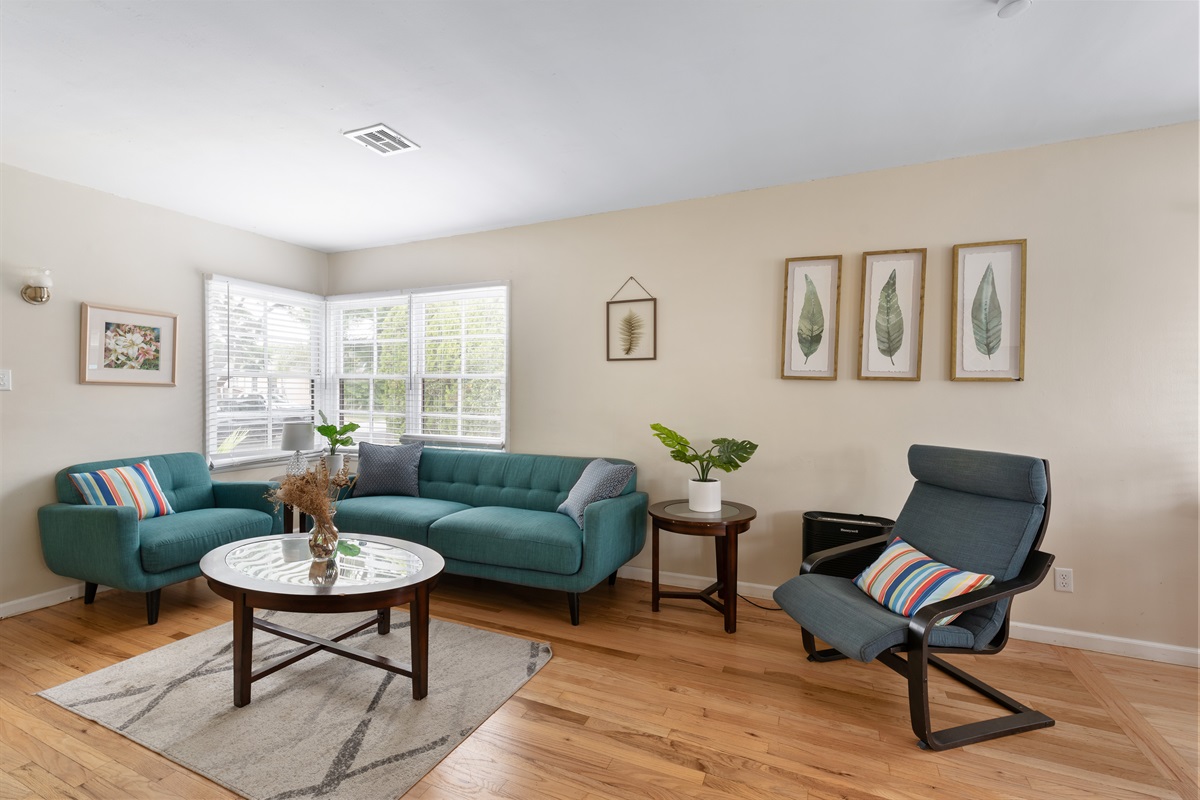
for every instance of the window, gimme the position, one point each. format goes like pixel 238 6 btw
pixel 428 364
pixel 263 357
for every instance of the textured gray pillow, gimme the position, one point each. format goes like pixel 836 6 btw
pixel 600 480
pixel 388 470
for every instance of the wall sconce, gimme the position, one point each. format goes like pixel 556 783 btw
pixel 37 287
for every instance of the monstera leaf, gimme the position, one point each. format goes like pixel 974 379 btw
pixel 986 319
pixel 889 321
pixel 811 326
pixel 630 332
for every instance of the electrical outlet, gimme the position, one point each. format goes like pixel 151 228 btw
pixel 5 380
pixel 1064 580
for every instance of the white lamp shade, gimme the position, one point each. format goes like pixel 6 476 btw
pixel 40 278
pixel 297 436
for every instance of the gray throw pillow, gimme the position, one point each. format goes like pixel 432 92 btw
pixel 600 480
pixel 384 469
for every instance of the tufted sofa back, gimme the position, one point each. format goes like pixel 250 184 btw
pixel 516 480
pixel 183 477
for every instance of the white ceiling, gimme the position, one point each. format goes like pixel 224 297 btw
pixel 531 110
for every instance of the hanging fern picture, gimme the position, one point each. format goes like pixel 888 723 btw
pixel 987 321
pixel 810 328
pixel 630 333
pixel 889 320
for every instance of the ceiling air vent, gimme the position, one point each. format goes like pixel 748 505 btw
pixel 381 139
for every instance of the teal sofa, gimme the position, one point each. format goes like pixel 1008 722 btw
pixel 109 545
pixel 493 515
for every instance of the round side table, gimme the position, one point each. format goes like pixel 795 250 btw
pixel 724 525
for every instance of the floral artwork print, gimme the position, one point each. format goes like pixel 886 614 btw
pixel 129 346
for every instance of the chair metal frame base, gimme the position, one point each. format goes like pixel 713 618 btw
pixel 920 655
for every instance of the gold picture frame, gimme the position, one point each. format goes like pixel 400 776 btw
pixel 892 315
pixel 988 290
pixel 812 288
pixel 127 346
pixel 631 330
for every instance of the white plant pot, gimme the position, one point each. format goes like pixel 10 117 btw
pixel 704 496
pixel 334 462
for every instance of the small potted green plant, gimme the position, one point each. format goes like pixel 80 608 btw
pixel 337 437
pixel 727 455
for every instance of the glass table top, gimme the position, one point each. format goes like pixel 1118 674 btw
pixel 288 561
pixel 682 511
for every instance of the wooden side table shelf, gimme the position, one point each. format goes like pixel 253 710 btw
pixel 674 516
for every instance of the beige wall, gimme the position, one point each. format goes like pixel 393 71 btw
pixel 106 250
pixel 1110 395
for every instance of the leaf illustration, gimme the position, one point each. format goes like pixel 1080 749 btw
pixel 889 321
pixel 631 330
pixel 811 326
pixel 986 319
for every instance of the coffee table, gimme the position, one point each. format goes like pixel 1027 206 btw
pixel 277 572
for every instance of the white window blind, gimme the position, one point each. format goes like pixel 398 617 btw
pixel 429 365
pixel 262 366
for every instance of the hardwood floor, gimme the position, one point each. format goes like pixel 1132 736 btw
pixel 642 705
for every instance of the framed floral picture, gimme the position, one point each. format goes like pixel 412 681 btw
pixel 127 346
pixel 632 330
pixel 892 307
pixel 988 312
pixel 811 288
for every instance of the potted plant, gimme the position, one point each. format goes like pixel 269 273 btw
pixel 727 455
pixel 337 437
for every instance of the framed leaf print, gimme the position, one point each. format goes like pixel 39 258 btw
pixel 988 312
pixel 811 288
pixel 889 336
pixel 632 330
pixel 127 346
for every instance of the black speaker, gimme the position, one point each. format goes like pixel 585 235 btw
pixel 825 529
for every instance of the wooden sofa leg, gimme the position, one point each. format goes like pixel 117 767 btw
pixel 89 593
pixel 612 579
pixel 573 603
pixel 152 601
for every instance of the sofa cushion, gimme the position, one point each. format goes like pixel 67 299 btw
pixel 405 518
pixel 510 537
pixel 134 486
pixel 184 479
pixel 182 539
pixel 384 469
pixel 600 480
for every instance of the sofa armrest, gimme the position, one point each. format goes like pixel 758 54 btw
pixel 98 544
pixel 614 531
pixel 249 494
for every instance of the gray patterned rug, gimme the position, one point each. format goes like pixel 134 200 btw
pixel 323 727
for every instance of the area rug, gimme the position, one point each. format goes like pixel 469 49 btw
pixel 323 727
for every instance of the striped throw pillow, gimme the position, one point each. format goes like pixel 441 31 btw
pixel 134 486
pixel 903 579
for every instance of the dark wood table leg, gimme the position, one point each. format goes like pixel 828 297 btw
pixel 654 567
pixel 385 621
pixel 243 644
pixel 418 627
pixel 730 581
pixel 719 547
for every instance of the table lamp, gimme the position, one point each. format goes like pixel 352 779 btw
pixel 297 436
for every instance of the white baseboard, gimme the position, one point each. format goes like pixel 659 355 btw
pixel 44 600
pixel 1080 640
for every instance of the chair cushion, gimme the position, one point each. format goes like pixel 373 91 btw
pixel 903 580
pixel 183 539
pixel 600 481
pixel 406 518
pixel 134 485
pixel 834 610
pixel 384 469
pixel 510 537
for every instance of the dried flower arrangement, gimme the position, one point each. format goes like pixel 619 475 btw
pixel 313 492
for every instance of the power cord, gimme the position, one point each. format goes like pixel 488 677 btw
pixel 756 605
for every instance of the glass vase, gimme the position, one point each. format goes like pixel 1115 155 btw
pixel 322 541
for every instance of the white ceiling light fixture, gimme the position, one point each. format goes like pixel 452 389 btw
pixel 381 139
pixel 1010 8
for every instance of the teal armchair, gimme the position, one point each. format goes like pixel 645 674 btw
pixel 109 545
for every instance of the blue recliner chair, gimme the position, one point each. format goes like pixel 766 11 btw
pixel 972 510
